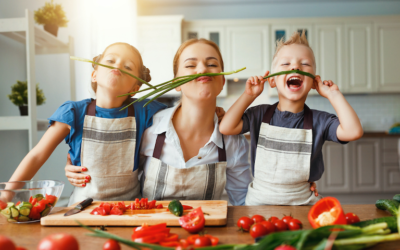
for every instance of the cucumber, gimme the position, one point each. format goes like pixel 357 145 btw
pixel 397 198
pixel 175 207
pixel 23 218
pixel 25 204
pixel 10 204
pixel 14 212
pixel 11 220
pixel 24 211
pixel 45 212
pixel 390 220
pixel 38 197
pixel 391 206
pixel 6 212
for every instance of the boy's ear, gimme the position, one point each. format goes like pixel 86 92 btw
pixel 272 82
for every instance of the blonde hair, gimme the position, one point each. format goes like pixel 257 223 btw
pixel 295 38
pixel 190 42
pixel 144 73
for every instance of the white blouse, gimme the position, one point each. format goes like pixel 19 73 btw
pixel 238 174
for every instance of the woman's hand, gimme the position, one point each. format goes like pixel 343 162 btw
pixel 313 188
pixel 220 113
pixel 74 175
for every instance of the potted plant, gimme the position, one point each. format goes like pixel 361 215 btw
pixel 52 16
pixel 19 96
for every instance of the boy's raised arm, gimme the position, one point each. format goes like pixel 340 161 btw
pixel 232 122
pixel 350 128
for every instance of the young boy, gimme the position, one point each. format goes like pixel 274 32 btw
pixel 287 137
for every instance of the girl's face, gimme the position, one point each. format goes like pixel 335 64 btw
pixel 112 80
pixel 200 58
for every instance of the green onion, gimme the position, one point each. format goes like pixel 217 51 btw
pixel 110 67
pixel 290 72
pixel 172 84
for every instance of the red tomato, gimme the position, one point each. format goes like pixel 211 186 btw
pixel 258 218
pixel 20 248
pixel 273 218
pixel 280 225
pixel 202 241
pixel 2 205
pixel 60 241
pixel 170 244
pixel 269 226
pixel 194 221
pixel 116 211
pixel 258 230
pixel 295 224
pixel 159 206
pixel 214 240
pixel 184 243
pixel 352 218
pixel 111 245
pixel 287 219
pixel 6 243
pixel 245 223
pixel 51 199
pixel 154 238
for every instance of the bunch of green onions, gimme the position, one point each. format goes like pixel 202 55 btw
pixel 291 72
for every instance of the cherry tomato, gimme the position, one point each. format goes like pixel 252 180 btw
pixel 258 218
pixel 202 241
pixel 60 241
pixel 280 225
pixel 352 218
pixel 295 224
pixel 6 243
pixel 245 223
pixel 287 219
pixel 273 218
pixel 111 245
pixel 258 230
pixel 269 226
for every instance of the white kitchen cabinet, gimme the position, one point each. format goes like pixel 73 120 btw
pixel 387 38
pixel 159 37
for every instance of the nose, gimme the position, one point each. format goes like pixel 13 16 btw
pixel 295 69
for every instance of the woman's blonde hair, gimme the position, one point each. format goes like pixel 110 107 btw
pixel 190 42
pixel 144 73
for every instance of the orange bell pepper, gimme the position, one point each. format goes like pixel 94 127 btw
pixel 326 211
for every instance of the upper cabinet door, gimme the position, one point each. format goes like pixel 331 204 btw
pixel 328 51
pixel 387 47
pixel 247 46
pixel 358 60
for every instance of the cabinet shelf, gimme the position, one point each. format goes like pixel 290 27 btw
pixel 20 123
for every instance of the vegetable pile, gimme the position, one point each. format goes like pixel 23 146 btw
pixel 119 208
pixel 37 207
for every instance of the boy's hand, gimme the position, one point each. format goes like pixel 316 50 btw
pixel 220 113
pixel 325 88
pixel 255 85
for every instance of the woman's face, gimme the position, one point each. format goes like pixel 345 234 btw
pixel 200 58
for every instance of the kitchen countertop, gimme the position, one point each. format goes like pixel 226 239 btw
pixel 366 135
pixel 29 235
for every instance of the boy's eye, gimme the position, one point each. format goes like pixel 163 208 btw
pixel 285 64
pixel 306 64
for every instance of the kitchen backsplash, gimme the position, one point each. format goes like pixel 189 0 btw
pixel 376 111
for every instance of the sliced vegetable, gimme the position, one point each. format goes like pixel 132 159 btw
pixel 6 212
pixel 23 218
pixel 327 211
pixel 14 212
pixel 391 206
pixel 24 211
pixel 2 205
pixel 38 197
pixel 175 207
pixel 194 221
pixel 391 222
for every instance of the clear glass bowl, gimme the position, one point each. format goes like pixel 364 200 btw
pixel 29 200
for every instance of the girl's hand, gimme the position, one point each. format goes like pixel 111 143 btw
pixel 325 88
pixel 74 175
pixel 255 85
pixel 220 113
pixel 313 188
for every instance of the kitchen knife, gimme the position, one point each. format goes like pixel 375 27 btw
pixel 79 207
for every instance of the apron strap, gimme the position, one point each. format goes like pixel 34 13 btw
pixel 308 116
pixel 91 109
pixel 159 145
pixel 222 151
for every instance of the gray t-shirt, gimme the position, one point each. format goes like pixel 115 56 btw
pixel 324 129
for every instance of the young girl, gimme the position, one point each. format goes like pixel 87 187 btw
pixel 102 138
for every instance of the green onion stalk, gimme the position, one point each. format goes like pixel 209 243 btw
pixel 110 67
pixel 165 87
pixel 290 72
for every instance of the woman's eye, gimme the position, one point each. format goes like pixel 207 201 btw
pixel 189 66
pixel 110 61
pixel 212 65
pixel 128 68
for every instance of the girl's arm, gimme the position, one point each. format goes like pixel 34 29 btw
pixel 34 160
pixel 232 122
pixel 350 128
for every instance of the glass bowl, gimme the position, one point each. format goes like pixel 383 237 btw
pixel 28 201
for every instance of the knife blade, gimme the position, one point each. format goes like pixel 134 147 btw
pixel 79 207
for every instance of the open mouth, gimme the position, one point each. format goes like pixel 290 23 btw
pixel 294 83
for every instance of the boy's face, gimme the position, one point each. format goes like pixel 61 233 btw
pixel 293 87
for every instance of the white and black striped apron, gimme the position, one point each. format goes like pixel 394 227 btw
pixel 164 182
pixel 282 166
pixel 108 152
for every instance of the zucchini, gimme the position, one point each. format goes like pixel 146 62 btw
pixel 6 212
pixel 391 206
pixel 391 221
pixel 10 204
pixel 25 204
pixel 14 212
pixel 24 211
pixel 23 218
pixel 45 212
pixel 38 197
pixel 175 207
pixel 397 198
pixel 11 220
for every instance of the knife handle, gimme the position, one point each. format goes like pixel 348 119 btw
pixel 84 203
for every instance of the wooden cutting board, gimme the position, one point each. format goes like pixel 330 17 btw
pixel 215 214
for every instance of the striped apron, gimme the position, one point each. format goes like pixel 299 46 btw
pixel 282 166
pixel 108 152
pixel 164 182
